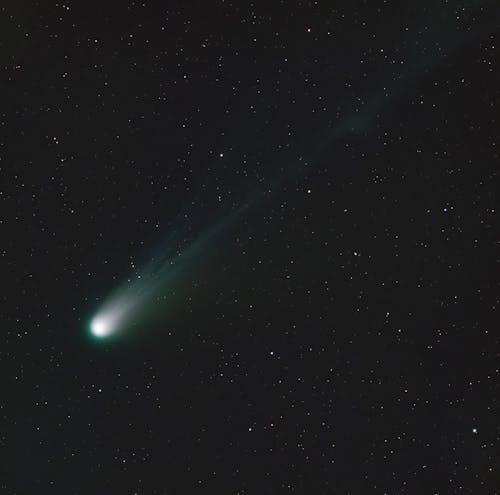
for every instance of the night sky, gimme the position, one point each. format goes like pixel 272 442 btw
pixel 288 208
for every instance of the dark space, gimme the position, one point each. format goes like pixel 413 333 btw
pixel 282 216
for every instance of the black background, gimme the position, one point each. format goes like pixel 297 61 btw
pixel 338 334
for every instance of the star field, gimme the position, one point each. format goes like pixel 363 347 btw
pixel 288 213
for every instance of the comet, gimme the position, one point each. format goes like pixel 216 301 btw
pixel 133 299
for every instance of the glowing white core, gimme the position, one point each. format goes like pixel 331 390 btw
pixel 100 327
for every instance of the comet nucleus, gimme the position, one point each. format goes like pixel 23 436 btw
pixel 101 327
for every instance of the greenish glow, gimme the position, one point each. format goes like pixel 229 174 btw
pixel 133 300
pixel 100 327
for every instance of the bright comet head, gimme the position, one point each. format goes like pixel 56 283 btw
pixel 111 317
pixel 101 327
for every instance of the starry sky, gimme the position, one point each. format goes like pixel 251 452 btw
pixel 302 196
